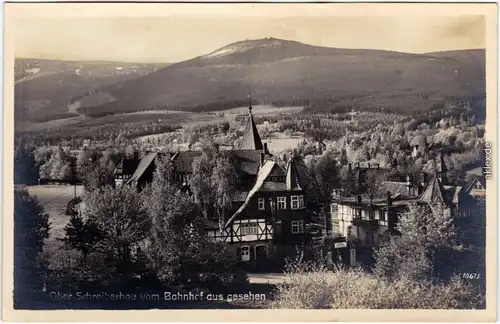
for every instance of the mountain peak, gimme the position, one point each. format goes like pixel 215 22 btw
pixel 247 45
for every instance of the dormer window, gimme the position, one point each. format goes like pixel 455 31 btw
pixel 261 204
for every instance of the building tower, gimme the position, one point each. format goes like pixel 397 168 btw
pixel 251 138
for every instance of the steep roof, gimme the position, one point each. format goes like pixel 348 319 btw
pixel 146 161
pixel 396 187
pixel 245 161
pixel 183 161
pixel 264 172
pixel 251 138
pixel 474 181
pixel 292 177
pixel 275 180
pixel 127 166
pixel 434 192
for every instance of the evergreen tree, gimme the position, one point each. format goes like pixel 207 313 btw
pixel 31 228
pixel 25 167
pixel 83 235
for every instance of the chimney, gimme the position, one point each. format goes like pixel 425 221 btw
pixel 389 199
pixel 262 158
pixel 408 185
pixel 359 199
pixel 350 167
pixel 265 150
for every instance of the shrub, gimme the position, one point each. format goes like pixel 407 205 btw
pixel 316 287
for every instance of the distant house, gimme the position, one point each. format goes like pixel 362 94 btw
pixel 86 143
pixel 476 187
pixel 363 221
pixel 125 169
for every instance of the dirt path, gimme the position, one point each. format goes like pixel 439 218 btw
pixel 266 278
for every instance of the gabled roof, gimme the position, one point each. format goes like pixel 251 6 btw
pixel 127 166
pixel 183 161
pixel 251 139
pixel 474 181
pixel 292 177
pixel 395 187
pixel 146 161
pixel 264 172
pixel 434 192
pixel 275 180
pixel 245 161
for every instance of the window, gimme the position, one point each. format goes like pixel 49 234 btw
pixel 281 202
pixel 245 253
pixel 249 228
pixel 262 204
pixel 381 214
pixel 297 226
pixel 334 207
pixel 297 202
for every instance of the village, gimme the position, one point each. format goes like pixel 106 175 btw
pixel 276 212
pixel 251 167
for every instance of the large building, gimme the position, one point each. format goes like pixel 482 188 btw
pixel 269 215
pixel 362 221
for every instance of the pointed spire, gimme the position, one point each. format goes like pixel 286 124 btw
pixel 440 168
pixel 434 191
pixel 292 176
pixel 251 138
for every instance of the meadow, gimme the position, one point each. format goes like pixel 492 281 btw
pixel 54 199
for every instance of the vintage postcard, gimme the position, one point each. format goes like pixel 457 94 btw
pixel 197 161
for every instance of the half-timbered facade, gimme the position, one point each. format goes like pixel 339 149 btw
pixel 272 218
pixel 362 221
pixel 269 216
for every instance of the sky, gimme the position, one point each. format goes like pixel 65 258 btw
pixel 177 38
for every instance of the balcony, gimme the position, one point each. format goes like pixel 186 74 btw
pixel 357 221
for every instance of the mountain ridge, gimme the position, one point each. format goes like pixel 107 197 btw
pixel 282 72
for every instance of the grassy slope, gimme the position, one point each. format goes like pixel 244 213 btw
pixel 46 94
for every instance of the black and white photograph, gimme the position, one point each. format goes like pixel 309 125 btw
pixel 251 156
